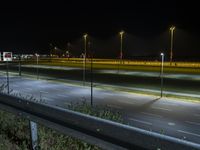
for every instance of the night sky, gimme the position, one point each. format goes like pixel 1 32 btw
pixel 28 27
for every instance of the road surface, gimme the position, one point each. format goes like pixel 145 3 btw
pixel 178 83
pixel 166 116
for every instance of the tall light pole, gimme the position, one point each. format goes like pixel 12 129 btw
pixel 85 55
pixel 91 72
pixel 161 74
pixel 121 45
pixel 121 48
pixel 172 28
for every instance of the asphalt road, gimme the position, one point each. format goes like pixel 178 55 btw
pixel 180 83
pixel 167 116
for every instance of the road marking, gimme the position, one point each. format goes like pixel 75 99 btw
pixel 160 108
pixel 29 89
pixel 62 95
pixel 114 106
pixel 186 132
pixel 149 114
pixel 15 85
pixel 171 124
pixel 44 92
pixel 49 99
pixel 140 121
pixel 194 123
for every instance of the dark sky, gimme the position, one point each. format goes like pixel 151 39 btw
pixel 32 26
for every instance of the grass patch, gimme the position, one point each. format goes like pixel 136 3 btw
pixel 189 69
pixel 15 132
pixel 147 68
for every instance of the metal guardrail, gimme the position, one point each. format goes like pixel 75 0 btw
pixel 103 133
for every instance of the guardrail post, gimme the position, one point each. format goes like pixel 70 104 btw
pixel 34 135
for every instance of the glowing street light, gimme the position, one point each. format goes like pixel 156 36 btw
pixel 121 45
pixel 91 72
pixel 85 36
pixel 172 28
pixel 121 48
pixel 161 74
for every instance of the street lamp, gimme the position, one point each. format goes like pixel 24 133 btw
pixel 172 28
pixel 121 45
pixel 85 36
pixel 91 72
pixel 121 48
pixel 161 74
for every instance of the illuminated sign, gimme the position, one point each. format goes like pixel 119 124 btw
pixel 7 56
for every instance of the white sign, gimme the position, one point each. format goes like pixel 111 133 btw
pixel 7 56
